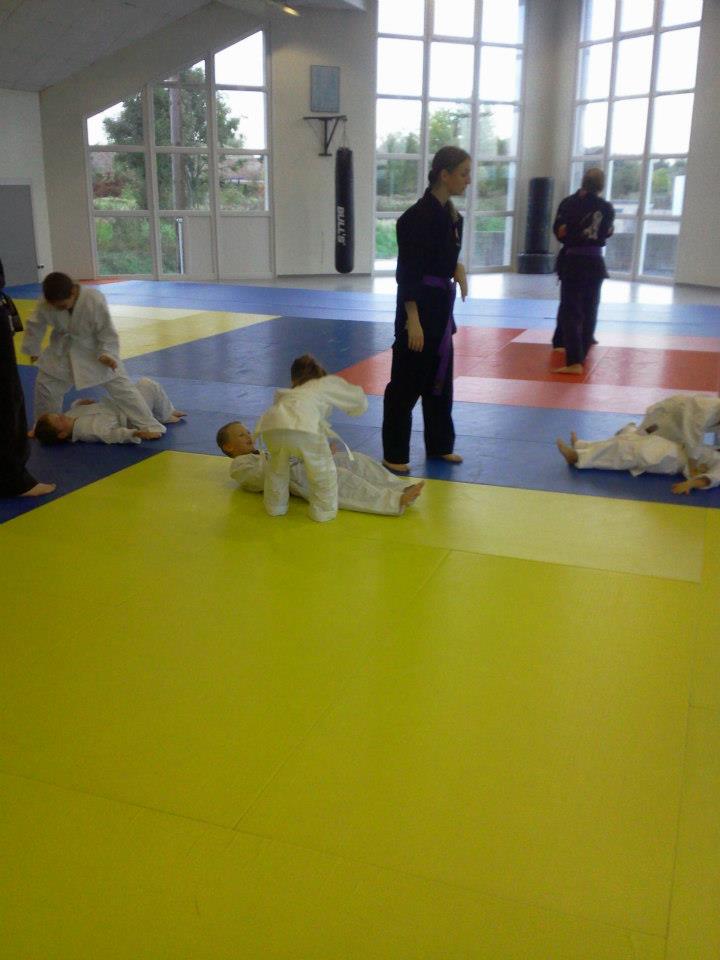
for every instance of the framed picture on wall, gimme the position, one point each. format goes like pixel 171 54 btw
pixel 324 89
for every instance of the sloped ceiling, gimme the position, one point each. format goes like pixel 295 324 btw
pixel 46 41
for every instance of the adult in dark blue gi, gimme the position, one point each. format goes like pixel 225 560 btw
pixel 15 481
pixel 429 239
pixel 583 223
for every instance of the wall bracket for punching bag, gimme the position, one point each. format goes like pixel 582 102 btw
pixel 328 131
pixel 344 212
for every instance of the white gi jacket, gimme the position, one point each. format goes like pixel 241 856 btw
pixel 684 419
pixel 100 422
pixel 76 341
pixel 307 407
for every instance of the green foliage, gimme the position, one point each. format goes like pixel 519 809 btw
pixel 180 120
pixel 385 240
pixel 123 246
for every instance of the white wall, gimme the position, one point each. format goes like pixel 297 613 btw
pixel 21 160
pixel 699 246
pixel 65 105
pixel 303 182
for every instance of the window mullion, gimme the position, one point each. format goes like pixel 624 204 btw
pixel 213 165
pixel 151 179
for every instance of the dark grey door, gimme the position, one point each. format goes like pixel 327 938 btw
pixel 17 235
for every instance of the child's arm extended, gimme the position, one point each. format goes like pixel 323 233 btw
pixel 346 396
pixel 34 332
pixel 108 342
pixel 694 483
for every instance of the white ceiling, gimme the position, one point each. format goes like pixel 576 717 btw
pixel 46 41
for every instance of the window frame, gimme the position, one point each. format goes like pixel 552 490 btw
pixel 469 207
pixel 606 157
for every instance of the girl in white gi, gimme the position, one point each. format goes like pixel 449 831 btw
pixel 296 426
pixel 640 452
pixel 104 421
pixel 364 484
pixel 84 351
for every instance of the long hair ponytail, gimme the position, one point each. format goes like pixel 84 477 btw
pixel 447 158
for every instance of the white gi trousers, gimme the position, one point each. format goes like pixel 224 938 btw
pixel 50 393
pixel 631 450
pixel 322 481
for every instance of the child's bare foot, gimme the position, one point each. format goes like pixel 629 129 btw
pixel 450 457
pixel 569 453
pixel 572 368
pixel 39 490
pixel 410 494
pixel 396 467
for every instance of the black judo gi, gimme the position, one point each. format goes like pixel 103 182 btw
pixel 429 242
pixel 588 222
pixel 14 445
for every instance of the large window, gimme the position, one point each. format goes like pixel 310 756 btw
pixel 171 166
pixel 449 72
pixel 636 79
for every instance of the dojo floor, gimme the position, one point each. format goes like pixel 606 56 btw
pixel 487 730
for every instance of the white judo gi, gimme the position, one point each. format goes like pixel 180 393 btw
pixel 296 426
pixel 684 419
pixel 71 357
pixel 364 485
pixel 106 421
pixel 638 452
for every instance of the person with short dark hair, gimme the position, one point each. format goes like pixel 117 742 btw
pixel 429 237
pixel 84 351
pixel 363 484
pixel 15 479
pixel 102 421
pixel 583 224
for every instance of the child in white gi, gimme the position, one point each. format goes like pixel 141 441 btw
pixel 84 351
pixel 296 426
pixel 685 419
pixel 639 452
pixel 104 421
pixel 364 484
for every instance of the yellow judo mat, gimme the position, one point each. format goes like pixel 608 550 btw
pixel 486 730
pixel 147 329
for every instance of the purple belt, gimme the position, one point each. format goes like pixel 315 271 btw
pixel 585 251
pixel 446 343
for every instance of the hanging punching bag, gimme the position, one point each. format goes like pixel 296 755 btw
pixel 344 213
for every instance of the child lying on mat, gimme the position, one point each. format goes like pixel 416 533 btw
pixel 363 484
pixel 103 421
pixel 639 452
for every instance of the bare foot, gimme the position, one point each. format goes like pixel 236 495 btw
pixel 452 458
pixel 396 467
pixel 573 439
pixel 176 416
pixel 573 368
pixel 410 494
pixel 39 490
pixel 569 453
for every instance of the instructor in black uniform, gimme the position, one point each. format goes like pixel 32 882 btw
pixel 15 481
pixel 583 223
pixel 429 238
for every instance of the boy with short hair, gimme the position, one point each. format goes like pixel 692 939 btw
pixel 364 485
pixel 84 351
pixel 104 421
